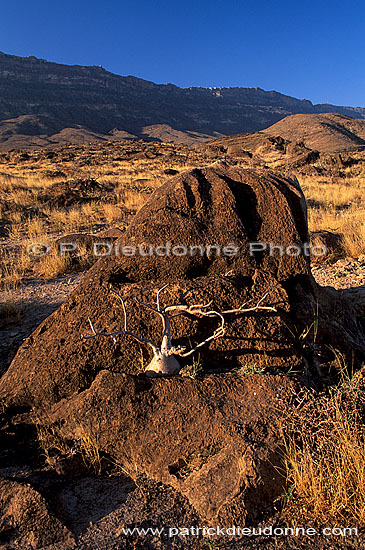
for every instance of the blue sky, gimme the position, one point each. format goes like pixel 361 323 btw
pixel 313 50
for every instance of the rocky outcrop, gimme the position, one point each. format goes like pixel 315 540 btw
pixel 224 207
pixel 217 441
pixel 328 241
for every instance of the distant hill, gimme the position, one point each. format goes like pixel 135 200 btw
pixel 43 103
pixel 296 136
pixel 327 133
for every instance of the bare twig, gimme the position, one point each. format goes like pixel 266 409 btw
pixel 163 360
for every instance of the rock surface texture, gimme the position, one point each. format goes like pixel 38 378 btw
pixel 26 521
pixel 217 440
pixel 220 206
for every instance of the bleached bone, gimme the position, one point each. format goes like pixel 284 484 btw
pixel 164 361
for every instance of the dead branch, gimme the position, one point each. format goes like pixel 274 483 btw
pixel 164 361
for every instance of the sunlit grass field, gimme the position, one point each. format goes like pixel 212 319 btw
pixel 28 214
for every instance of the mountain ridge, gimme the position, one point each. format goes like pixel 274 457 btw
pixel 91 102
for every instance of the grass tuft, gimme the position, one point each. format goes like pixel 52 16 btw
pixel 325 458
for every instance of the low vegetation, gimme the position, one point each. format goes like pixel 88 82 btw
pixel 35 205
pixel 60 453
pixel 338 205
pixel 325 457
pixel 120 178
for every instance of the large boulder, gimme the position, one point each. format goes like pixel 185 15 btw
pixel 218 441
pixel 328 242
pixel 222 206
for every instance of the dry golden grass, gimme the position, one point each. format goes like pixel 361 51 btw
pixel 72 219
pixel 112 213
pixel 15 232
pixel 15 217
pixel 89 212
pixel 23 197
pixel 134 200
pixel 339 207
pixel 353 230
pixel 325 459
pixel 53 265
pixel 35 228
pixel 335 204
pixel 14 266
pixel 335 193
pixel 89 449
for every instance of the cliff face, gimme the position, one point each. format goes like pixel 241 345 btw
pixel 55 96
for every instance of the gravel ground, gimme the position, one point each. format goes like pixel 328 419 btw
pixel 29 306
pixel 347 276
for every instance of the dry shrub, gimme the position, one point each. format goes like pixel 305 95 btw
pixel 325 459
pixel 54 265
pixel 112 213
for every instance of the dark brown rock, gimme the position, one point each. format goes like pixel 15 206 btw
pixel 69 193
pixel 216 440
pixel 25 520
pixel 217 205
pixel 328 241
pixel 300 155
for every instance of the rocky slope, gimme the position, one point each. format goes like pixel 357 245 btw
pixel 44 103
pixel 296 138
pixel 327 133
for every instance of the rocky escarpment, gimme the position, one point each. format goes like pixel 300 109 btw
pixel 97 103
